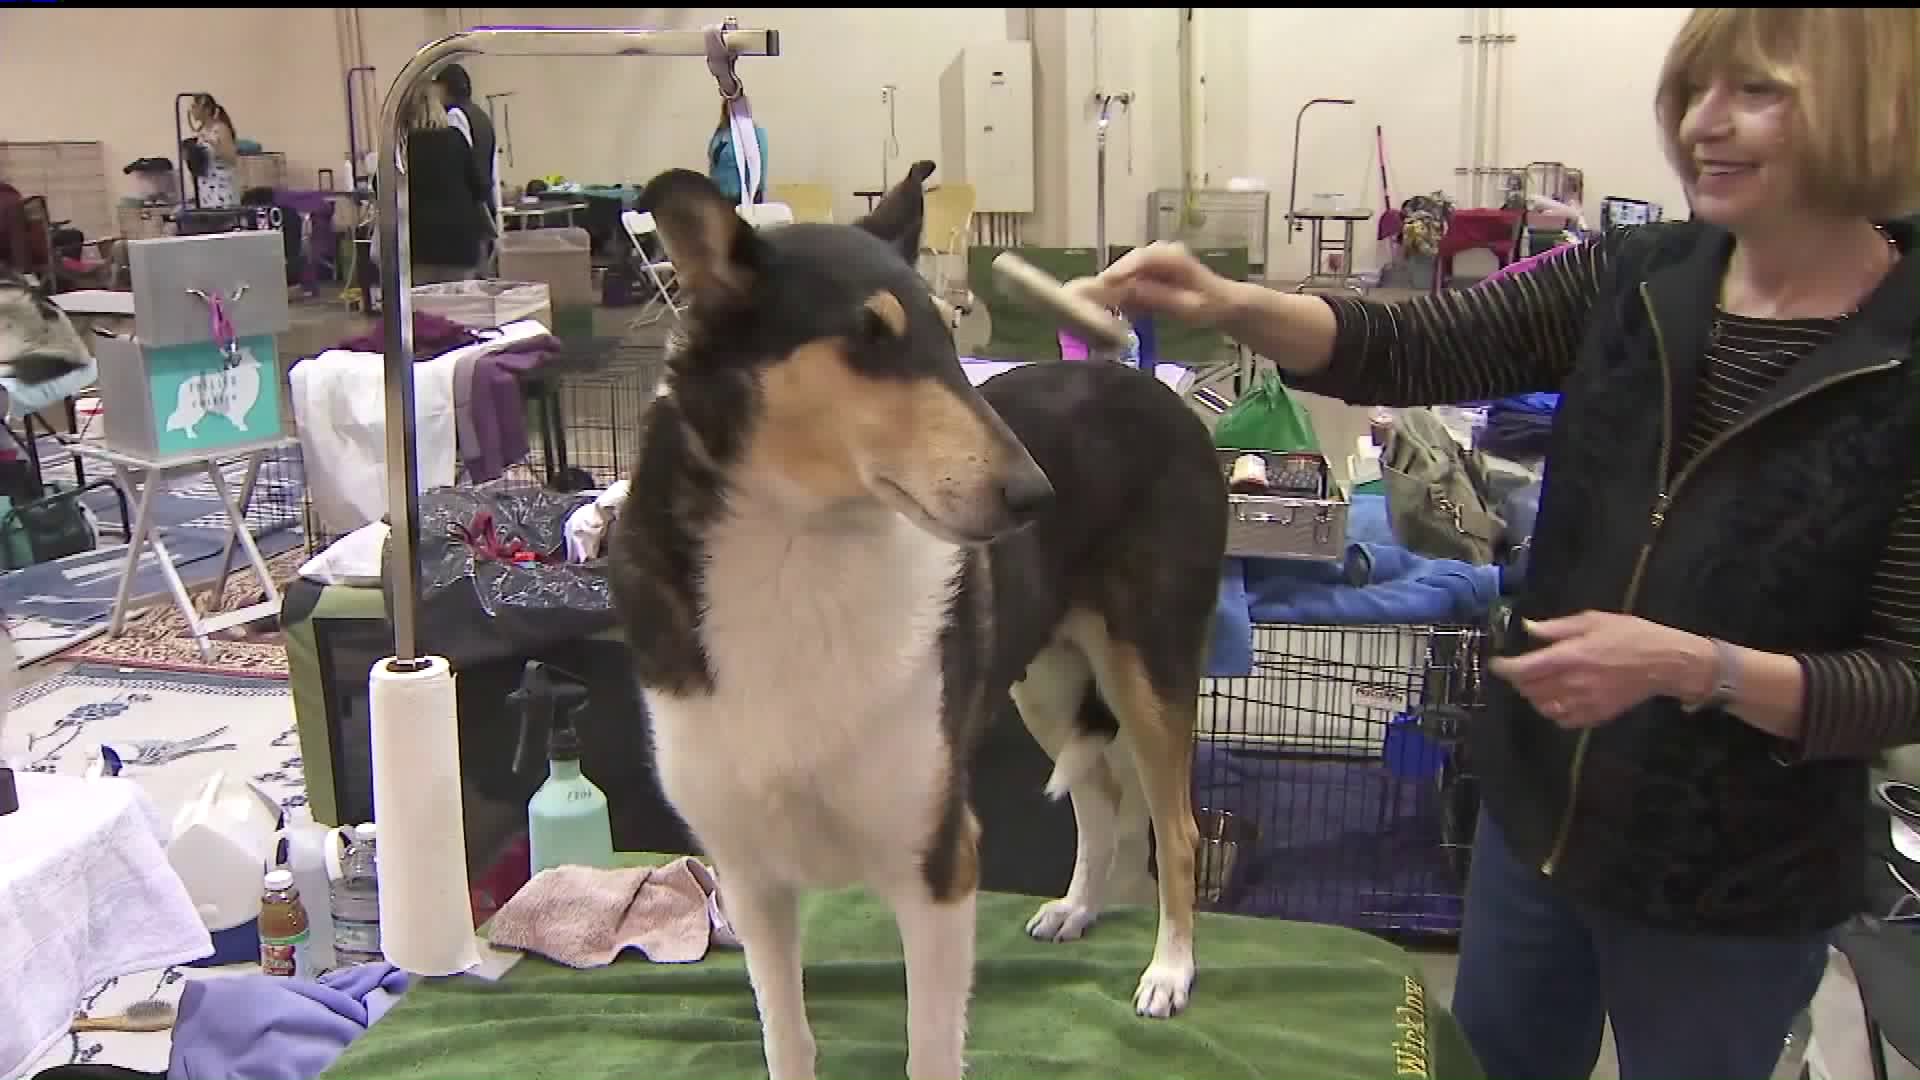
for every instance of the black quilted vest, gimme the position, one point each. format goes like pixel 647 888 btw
pixel 1699 822
pixel 483 142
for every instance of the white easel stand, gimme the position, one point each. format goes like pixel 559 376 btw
pixel 140 478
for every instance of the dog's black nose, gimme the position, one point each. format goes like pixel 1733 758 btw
pixel 1027 494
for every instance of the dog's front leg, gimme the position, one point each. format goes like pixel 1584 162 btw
pixel 766 916
pixel 937 936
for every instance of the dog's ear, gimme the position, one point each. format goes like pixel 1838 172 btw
pixel 713 250
pixel 902 214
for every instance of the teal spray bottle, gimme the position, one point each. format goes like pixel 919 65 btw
pixel 567 819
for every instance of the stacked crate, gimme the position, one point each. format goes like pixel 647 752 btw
pixel 72 176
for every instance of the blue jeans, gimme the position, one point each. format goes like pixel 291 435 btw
pixel 1539 976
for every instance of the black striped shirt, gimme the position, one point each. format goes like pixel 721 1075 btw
pixel 1521 334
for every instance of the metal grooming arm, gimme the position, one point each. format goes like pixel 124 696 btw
pixel 1293 185
pixel 354 148
pixel 396 271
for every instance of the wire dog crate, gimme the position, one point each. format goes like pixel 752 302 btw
pixel 1331 783
pixel 587 412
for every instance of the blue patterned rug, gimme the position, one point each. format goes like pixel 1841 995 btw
pixel 172 731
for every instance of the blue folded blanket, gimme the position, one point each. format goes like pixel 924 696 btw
pixel 1401 588
pixel 1519 426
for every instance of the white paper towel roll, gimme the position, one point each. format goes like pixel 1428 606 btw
pixel 426 918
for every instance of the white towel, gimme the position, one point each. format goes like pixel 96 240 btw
pixel 86 894
pixel 340 406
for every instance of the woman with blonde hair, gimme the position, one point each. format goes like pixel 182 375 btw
pixel 1720 625
pixel 447 216
pixel 217 151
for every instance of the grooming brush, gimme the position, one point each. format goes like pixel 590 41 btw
pixel 148 1015
pixel 1103 331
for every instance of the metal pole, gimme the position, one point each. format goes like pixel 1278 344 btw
pixel 396 273
pixel 353 129
pixel 1107 102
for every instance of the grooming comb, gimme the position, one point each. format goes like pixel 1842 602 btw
pixel 1084 319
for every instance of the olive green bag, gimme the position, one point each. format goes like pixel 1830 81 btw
pixel 1438 499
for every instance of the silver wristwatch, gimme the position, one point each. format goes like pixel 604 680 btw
pixel 1726 682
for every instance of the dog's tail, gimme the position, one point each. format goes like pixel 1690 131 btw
pixel 1094 730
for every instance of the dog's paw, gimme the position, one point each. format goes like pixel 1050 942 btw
pixel 1061 920
pixel 1163 990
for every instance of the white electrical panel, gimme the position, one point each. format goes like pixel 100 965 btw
pixel 986 125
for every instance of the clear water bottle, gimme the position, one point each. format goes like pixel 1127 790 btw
pixel 356 903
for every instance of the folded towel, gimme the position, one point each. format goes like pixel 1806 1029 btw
pixel 86 894
pixel 584 917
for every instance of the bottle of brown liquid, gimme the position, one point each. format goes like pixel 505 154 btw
pixel 283 929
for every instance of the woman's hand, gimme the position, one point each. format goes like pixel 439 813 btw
pixel 1597 665
pixel 1162 279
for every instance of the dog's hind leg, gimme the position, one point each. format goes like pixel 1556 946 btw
pixel 1159 729
pixel 935 914
pixel 766 915
pixel 1055 701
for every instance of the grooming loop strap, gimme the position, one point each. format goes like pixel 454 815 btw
pixel 219 323
pixel 746 144
pixel 720 61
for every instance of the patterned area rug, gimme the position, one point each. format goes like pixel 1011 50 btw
pixel 156 636
pixel 173 730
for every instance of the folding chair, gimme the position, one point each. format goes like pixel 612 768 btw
pixel 762 215
pixel 666 283
pixel 948 224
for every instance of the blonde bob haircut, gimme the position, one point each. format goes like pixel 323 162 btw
pixel 1851 73
pixel 422 111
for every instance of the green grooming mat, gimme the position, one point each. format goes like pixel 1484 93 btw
pixel 1272 999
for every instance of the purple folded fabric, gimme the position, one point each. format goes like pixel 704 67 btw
pixel 266 1028
pixel 433 336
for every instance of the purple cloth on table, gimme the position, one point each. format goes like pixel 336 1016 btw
pixel 266 1028
pixel 433 336
pixel 491 418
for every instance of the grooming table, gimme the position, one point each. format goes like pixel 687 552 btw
pixel 1320 247
pixel 1272 999
pixel 139 479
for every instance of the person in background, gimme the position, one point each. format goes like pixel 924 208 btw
pixel 455 88
pixel 1720 626
pixel 722 165
pixel 447 215
pixel 215 182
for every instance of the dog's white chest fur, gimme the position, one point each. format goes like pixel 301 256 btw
pixel 819 753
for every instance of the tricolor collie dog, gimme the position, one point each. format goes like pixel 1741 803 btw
pixel 838 556
pixel 37 344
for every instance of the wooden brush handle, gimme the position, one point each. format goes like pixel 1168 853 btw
pixel 1076 314
pixel 161 1020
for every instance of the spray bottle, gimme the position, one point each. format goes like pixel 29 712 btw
pixel 567 819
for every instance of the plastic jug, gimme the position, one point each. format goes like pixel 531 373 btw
pixel 220 844
pixel 312 852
